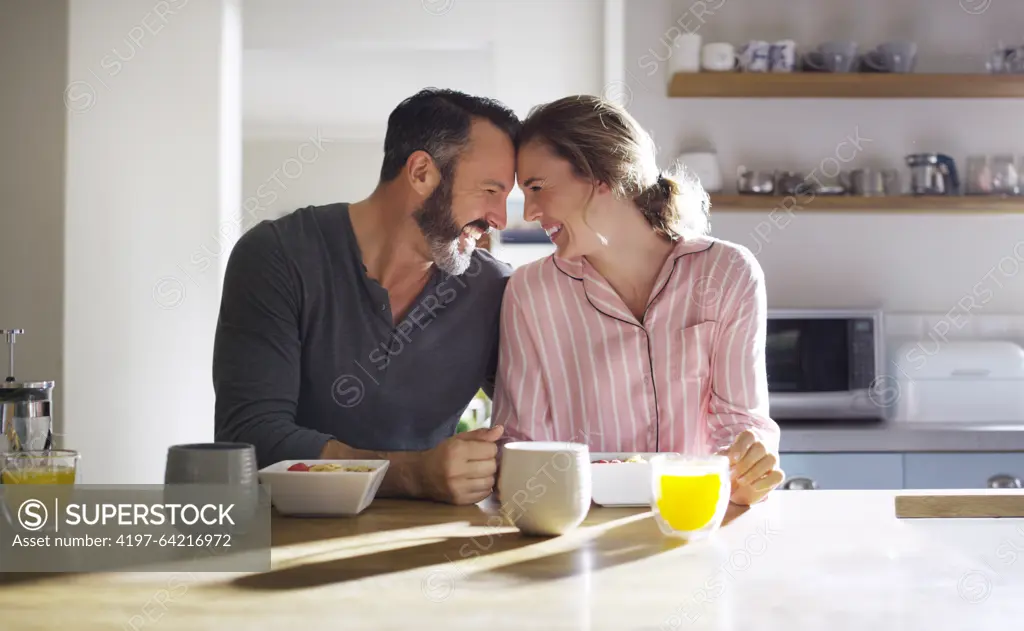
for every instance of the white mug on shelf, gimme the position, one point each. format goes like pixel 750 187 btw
pixel 754 56
pixel 685 54
pixel 719 57
pixel 704 166
pixel 783 56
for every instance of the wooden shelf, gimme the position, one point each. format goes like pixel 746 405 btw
pixel 845 85
pixel 850 203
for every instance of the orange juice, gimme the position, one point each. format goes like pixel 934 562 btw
pixel 52 475
pixel 24 472
pixel 689 502
pixel 54 466
pixel 689 494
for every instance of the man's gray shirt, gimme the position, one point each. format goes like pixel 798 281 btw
pixel 306 350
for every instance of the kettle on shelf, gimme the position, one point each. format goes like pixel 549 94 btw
pixel 933 174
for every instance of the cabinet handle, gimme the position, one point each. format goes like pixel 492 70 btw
pixel 800 484
pixel 1004 481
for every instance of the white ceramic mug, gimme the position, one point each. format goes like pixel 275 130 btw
pixel 719 57
pixel 783 56
pixel 685 54
pixel 754 57
pixel 545 487
pixel 704 165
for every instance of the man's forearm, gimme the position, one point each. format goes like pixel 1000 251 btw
pixel 402 478
pixel 275 437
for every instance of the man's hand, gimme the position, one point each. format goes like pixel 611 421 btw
pixel 461 470
pixel 754 470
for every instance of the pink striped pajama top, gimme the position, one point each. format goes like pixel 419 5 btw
pixel 576 365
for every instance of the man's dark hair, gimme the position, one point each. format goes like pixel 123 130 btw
pixel 438 121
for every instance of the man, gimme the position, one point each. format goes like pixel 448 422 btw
pixel 363 330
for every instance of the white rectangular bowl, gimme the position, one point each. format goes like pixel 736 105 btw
pixel 322 493
pixel 621 484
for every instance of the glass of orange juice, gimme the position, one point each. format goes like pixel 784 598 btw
pixel 690 494
pixel 24 474
pixel 53 466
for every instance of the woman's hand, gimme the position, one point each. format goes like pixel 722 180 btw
pixel 754 469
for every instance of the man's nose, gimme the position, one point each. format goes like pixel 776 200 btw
pixel 497 217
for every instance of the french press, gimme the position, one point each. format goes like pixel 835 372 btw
pixel 25 408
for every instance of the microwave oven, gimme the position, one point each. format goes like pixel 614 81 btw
pixel 824 364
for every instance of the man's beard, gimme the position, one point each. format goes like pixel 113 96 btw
pixel 437 223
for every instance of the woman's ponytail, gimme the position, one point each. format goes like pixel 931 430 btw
pixel 676 205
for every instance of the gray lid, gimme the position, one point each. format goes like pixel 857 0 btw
pixel 26 385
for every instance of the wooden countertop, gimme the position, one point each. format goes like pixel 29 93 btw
pixel 801 560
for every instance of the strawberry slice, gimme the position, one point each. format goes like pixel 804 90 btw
pixel 298 466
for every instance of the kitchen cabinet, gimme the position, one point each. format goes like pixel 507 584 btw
pixel 842 471
pixel 962 470
pixel 846 471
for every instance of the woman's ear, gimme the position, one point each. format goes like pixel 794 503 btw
pixel 602 188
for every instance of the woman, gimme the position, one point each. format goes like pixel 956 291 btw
pixel 641 333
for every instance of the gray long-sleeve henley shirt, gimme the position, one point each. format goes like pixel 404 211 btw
pixel 306 349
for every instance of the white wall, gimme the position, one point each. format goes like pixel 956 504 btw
pixel 153 171
pixel 898 262
pixel 33 73
pixel 342 65
pixel 336 68
pixel 283 175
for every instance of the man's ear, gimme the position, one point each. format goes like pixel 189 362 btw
pixel 422 173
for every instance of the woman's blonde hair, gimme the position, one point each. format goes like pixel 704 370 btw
pixel 604 143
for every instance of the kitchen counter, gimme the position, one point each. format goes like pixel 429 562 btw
pixel 799 561
pixel 899 437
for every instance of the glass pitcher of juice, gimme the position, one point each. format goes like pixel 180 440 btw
pixel 690 494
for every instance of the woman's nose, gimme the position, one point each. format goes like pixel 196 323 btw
pixel 531 211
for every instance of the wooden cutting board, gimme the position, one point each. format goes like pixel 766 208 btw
pixel 960 504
